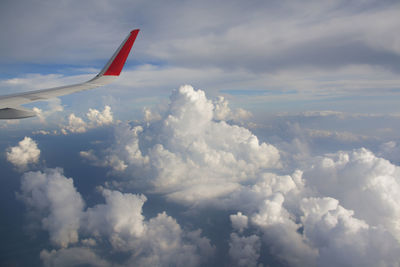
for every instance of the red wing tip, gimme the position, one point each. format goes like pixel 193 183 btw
pixel 115 67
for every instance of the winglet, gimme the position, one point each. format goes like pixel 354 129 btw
pixel 117 61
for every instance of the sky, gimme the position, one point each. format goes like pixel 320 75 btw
pixel 240 133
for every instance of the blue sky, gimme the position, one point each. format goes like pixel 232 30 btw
pixel 239 133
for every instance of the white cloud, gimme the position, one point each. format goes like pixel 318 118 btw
pixel 120 219
pixel 75 124
pixel 169 245
pixel 222 111
pixel 343 240
pixel 329 210
pixel 96 119
pixel 363 182
pixel 280 233
pixel 27 152
pixel 54 197
pixel 186 151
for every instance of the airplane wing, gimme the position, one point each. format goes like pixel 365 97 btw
pixel 10 104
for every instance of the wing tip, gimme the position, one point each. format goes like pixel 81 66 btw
pixel 135 31
pixel 114 68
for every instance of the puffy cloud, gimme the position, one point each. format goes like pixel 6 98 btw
pixel 111 160
pixel 96 119
pixel 193 156
pixel 168 245
pixel 222 111
pixel 244 251
pixel 120 218
pixel 189 155
pixel 363 182
pixel 75 124
pixel 326 212
pixel 281 233
pixel 52 199
pixel 25 153
pixel 53 196
pixel 343 240
pixel 239 221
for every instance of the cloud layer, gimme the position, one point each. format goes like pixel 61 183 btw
pixel 328 212
pixel 333 209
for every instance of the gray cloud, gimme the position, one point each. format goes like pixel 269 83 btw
pixel 259 36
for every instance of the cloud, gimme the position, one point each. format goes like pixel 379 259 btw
pixel 342 239
pixel 339 50
pixel 27 152
pixel 54 107
pixel 390 150
pixel 187 154
pixel 223 112
pixel 54 202
pixel 55 198
pixel 96 119
pixel 72 257
pixel 75 125
pixel 187 150
pixel 318 210
pixel 120 218
pixel 360 175
pixel 244 251
pixel 239 221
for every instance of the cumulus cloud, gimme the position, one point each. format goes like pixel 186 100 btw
pixel 191 155
pixel 330 211
pixel 100 118
pixel 120 218
pixel 343 240
pixel 27 152
pixel 187 150
pixel 75 124
pixel 54 202
pixel 96 119
pixel 55 198
pixel 222 111
pixel 239 221
pixel 244 251
pixel 360 175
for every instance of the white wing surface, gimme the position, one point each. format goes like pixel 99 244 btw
pixel 10 104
